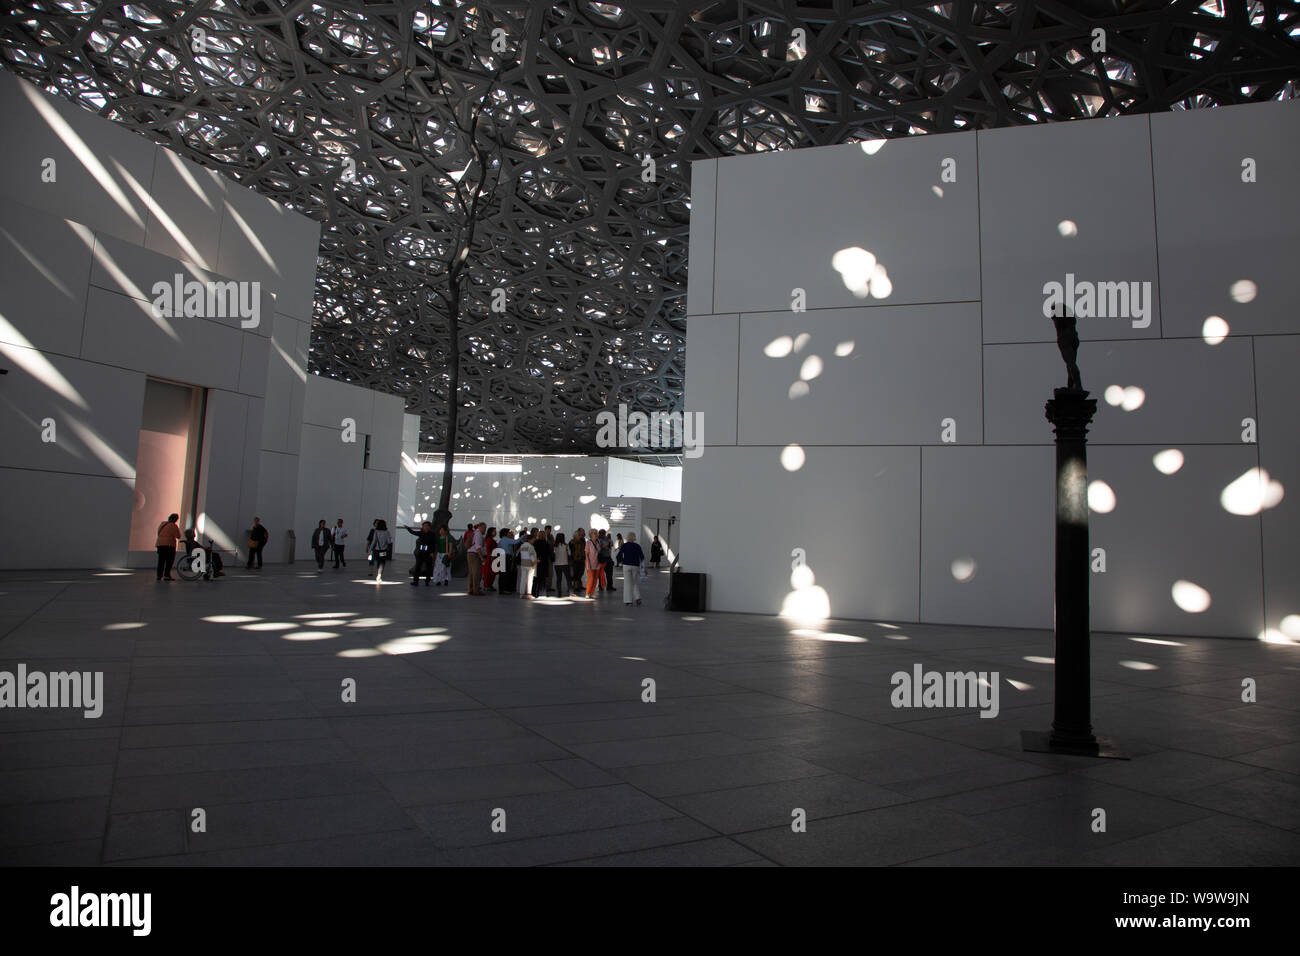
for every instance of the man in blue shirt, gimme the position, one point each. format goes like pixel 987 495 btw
pixel 506 543
pixel 632 557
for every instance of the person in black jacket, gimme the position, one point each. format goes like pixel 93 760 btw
pixel 426 546
pixel 320 543
pixel 545 555
pixel 257 538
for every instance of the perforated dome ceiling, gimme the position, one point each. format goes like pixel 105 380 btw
pixel 593 259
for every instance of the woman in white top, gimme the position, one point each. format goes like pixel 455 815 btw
pixel 563 581
pixel 527 558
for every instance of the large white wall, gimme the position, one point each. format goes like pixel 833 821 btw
pixel 334 480
pixel 79 256
pixel 882 506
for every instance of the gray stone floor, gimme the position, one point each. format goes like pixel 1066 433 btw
pixel 227 696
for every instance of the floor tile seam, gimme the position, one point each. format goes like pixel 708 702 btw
pixel 673 814
pixel 246 803
pixel 1173 798
pixel 34 846
pixel 126 861
pixel 117 760
pixel 662 846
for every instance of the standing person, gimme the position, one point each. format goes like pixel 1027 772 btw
pixel 603 553
pixel 595 571
pixel 475 557
pixel 169 532
pixel 257 538
pixel 548 580
pixel 442 562
pixel 381 544
pixel 370 544
pixel 578 558
pixel 631 557
pixel 320 543
pixel 527 566
pixel 563 583
pixel 340 540
pixel 507 544
pixel 545 555
pixel 426 543
pixel 617 547
pixel 489 550
pixel 656 552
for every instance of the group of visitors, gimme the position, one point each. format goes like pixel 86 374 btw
pixel 169 534
pixel 536 563
pixel 326 541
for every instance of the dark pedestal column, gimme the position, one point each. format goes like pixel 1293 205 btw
pixel 1070 413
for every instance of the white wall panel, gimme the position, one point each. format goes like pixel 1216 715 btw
pixel 386 430
pixel 284 371
pixel 910 368
pixel 711 375
pixel 277 488
pixel 253 363
pixel 1215 229
pixel 987 536
pixel 854 511
pixel 222 468
pixel 379 498
pixel 44 262
pixel 252 467
pixel 185 217
pixel 783 215
pixel 1095 174
pixel 263 240
pixel 1191 391
pixel 96 161
pixel 131 270
pixel 96 411
pixel 331 401
pixel 1277 358
pixel 1170 528
pixel 407 478
pixel 48 528
pixel 123 331
pixel 704 194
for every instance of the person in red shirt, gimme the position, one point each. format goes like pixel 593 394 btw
pixel 169 532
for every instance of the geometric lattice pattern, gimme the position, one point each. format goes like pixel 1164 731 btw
pixel 592 258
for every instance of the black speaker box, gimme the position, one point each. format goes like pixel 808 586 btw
pixel 688 591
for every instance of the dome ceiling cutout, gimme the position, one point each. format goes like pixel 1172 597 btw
pixel 593 259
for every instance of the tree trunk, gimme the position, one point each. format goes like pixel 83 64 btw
pixel 443 515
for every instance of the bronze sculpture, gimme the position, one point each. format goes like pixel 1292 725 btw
pixel 1067 340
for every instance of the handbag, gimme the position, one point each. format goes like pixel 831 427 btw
pixel 252 544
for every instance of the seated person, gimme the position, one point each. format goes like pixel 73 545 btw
pixel 212 563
